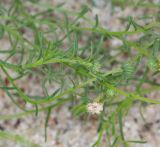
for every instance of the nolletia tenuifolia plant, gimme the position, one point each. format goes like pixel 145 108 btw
pixel 68 49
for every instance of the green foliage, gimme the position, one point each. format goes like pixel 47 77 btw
pixel 1 31
pixel 152 64
pixel 128 69
pixel 50 48
pixel 17 138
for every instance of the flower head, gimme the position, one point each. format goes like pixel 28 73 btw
pixel 95 108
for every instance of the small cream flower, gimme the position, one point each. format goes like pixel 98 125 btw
pixel 95 108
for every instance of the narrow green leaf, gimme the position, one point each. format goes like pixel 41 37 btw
pixel 1 31
pixel 46 122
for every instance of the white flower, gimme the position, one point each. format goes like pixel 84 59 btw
pixel 95 108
